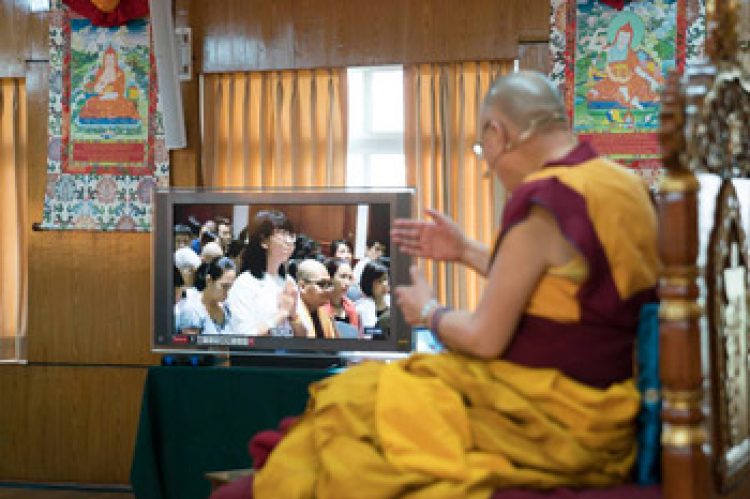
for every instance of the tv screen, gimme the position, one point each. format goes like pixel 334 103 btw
pixel 278 272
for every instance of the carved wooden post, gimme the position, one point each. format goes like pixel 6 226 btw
pixel 683 432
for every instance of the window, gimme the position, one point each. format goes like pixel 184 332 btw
pixel 375 154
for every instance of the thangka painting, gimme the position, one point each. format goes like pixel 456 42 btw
pixel 611 64
pixel 106 149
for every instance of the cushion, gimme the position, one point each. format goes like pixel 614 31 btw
pixel 647 468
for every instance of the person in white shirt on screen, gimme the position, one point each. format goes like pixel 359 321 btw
pixel 264 300
pixel 376 290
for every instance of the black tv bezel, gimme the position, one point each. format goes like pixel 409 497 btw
pixel 400 201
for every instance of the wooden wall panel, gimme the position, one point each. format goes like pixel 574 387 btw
pixel 246 35
pixel 68 424
pixel 13 18
pixel 534 56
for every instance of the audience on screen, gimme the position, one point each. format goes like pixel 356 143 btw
pixel 224 232
pixel 376 291
pixel 264 300
pixel 210 227
pixel 315 291
pixel 269 295
pixel 182 236
pixel 234 251
pixel 342 309
pixel 205 311
pixel 340 248
pixel 211 251
pixel 374 251
pixel 186 262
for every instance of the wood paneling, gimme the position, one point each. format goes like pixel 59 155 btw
pixel 534 56
pixel 23 36
pixel 68 424
pixel 246 35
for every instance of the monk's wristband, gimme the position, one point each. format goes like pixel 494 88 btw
pixel 428 308
pixel 437 316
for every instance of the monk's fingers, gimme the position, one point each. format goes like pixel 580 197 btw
pixel 412 249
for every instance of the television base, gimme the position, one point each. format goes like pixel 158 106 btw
pixel 288 361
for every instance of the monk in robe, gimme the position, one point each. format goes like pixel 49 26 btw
pixel 108 106
pixel 535 388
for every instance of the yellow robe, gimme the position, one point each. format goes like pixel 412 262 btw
pixel 450 426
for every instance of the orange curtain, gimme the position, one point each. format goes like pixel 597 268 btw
pixel 441 106
pixel 274 129
pixel 13 218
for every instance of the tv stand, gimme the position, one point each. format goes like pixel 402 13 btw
pixel 288 361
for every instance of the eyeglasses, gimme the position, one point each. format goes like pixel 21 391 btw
pixel 524 135
pixel 478 147
pixel 322 283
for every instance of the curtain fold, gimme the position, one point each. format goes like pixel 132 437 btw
pixel 442 106
pixel 13 218
pixel 274 129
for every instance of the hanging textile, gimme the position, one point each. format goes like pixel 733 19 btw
pixel 106 149
pixel 611 63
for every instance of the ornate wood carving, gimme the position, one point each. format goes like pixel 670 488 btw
pixel 684 431
pixel 705 116
pixel 727 309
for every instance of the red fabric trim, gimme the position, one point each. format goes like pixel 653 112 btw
pixel 125 11
pixel 617 4
pixel 264 442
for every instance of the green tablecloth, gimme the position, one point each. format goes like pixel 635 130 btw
pixel 199 419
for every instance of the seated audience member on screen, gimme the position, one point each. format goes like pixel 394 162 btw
pixel 234 251
pixel 211 251
pixel 186 262
pixel 182 236
pixel 342 250
pixel 205 312
pixel 315 292
pixel 263 299
pixel 224 232
pixel 373 251
pixel 208 227
pixel 342 309
pixel 535 388
pixel 376 291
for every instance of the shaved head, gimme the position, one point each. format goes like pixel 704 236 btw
pixel 311 270
pixel 527 99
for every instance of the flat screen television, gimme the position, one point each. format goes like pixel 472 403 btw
pixel 357 216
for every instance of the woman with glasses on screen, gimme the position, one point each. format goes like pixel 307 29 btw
pixel 205 312
pixel 264 300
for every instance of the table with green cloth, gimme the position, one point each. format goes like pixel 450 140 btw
pixel 199 419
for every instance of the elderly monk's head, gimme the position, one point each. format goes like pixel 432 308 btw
pixel 522 124
pixel 315 283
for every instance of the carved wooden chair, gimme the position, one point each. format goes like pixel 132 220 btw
pixel 704 335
